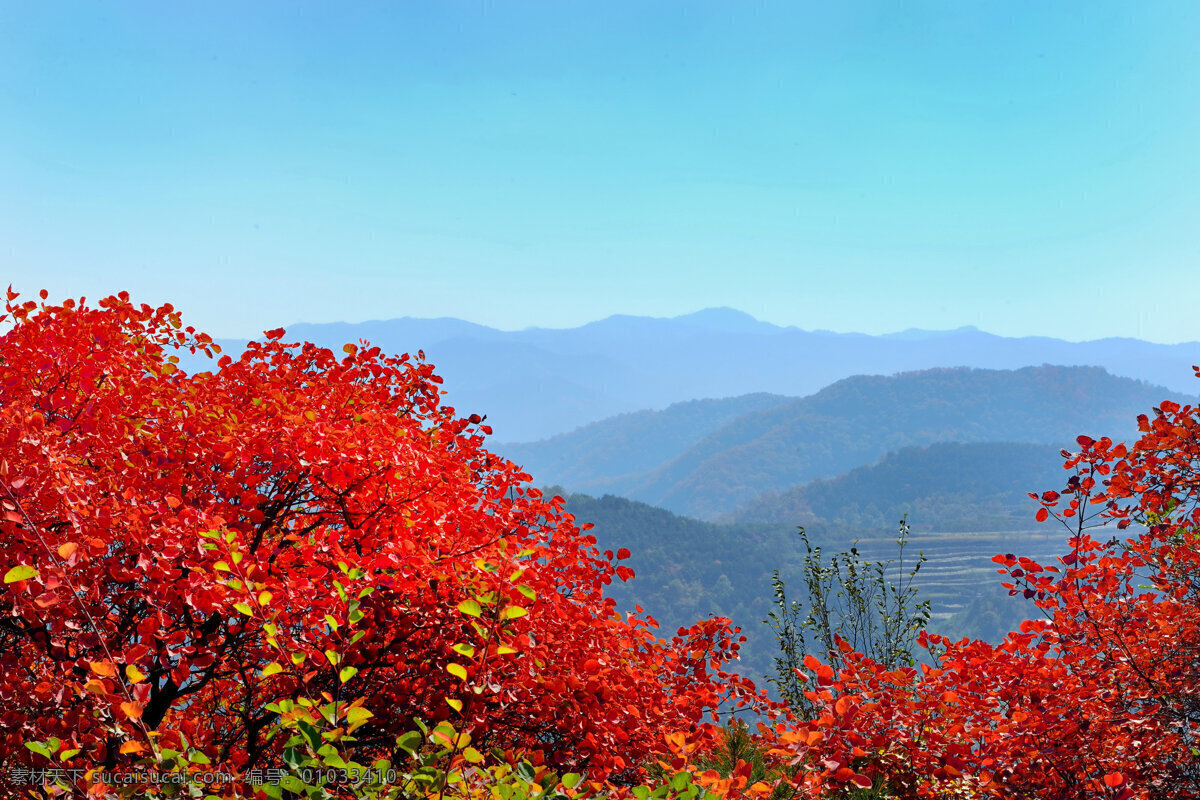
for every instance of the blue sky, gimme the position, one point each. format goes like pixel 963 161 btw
pixel 1028 168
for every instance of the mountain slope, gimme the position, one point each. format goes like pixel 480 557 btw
pixel 948 486
pixel 600 455
pixel 856 421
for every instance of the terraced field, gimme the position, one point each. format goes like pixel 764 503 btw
pixel 960 566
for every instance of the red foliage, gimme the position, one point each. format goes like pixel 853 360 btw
pixel 1101 699
pixel 323 493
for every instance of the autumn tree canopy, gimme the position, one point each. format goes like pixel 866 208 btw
pixel 166 536
pixel 1100 698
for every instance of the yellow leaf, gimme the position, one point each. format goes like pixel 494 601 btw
pixel 274 668
pixel 457 671
pixel 66 549
pixel 264 598
pixel 472 755
pixel 134 674
pixel 132 747
pixel 20 573
pixel 455 704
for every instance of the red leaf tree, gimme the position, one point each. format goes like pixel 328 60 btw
pixel 167 536
pixel 1100 699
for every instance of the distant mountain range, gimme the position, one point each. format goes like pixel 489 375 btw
pixel 852 423
pixel 539 382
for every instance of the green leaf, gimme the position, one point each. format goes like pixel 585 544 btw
pixel 244 608
pixel 292 784
pixel 347 673
pixel 39 748
pixel 310 732
pixel 468 607
pixel 513 612
pixel 527 591
pixel 409 742
pixel 358 714
pixel 274 668
pixel 196 757
pixel 464 650
pixel 20 573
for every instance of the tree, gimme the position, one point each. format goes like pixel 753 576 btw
pixel 187 555
pixel 849 600
pixel 1099 699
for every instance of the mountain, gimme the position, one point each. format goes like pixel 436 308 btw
pixel 686 569
pixel 948 486
pixel 539 382
pixel 600 455
pixel 857 420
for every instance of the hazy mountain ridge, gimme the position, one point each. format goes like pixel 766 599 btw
pixel 858 420
pixel 599 455
pixel 540 382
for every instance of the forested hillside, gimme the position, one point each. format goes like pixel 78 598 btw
pixel 948 486
pixel 608 455
pixel 856 421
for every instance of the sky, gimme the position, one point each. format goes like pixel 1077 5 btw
pixel 1028 168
